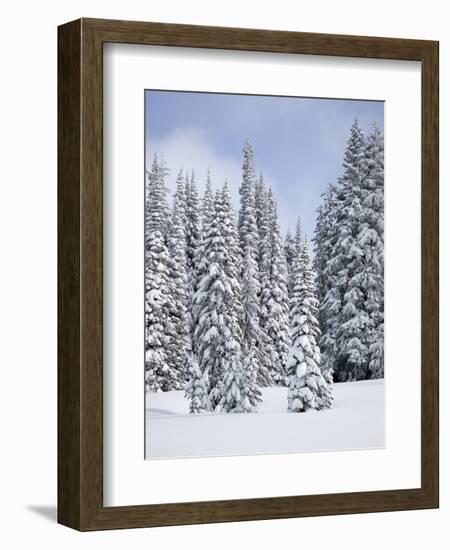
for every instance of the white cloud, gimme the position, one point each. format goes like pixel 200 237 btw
pixel 189 149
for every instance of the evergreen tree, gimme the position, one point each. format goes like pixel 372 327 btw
pixel 307 388
pixel 289 252
pixel 179 344
pixel 199 265
pixel 252 395
pixel 327 272
pixel 264 215
pixel 159 323
pixel 274 297
pixel 197 388
pixel 371 241
pixel 293 251
pixel 193 244
pixel 247 213
pixel 207 204
pixel 180 205
pixel 298 239
pixel 324 240
pixel 156 207
pixel 159 374
pixel 217 330
pixel 260 203
pixel 354 319
pixel 193 231
pixel 231 398
pixel 232 263
pixel 240 389
pixel 249 275
pixel 349 245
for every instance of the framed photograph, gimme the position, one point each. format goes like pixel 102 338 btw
pixel 248 274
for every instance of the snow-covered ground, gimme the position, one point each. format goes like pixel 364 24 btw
pixel 355 422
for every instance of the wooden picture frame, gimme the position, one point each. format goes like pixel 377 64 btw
pixel 80 271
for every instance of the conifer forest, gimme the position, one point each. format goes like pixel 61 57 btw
pixel 236 311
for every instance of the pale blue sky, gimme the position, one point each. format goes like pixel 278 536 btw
pixel 298 142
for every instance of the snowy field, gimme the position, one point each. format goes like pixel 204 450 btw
pixel 355 422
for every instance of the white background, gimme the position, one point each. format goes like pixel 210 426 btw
pixel 28 274
pixel 128 70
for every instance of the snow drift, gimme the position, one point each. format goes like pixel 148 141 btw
pixel 356 421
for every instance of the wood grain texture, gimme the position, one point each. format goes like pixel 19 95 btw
pixel 430 273
pixel 80 264
pixel 69 244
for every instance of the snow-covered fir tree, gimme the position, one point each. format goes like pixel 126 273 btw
pixel 199 266
pixel 325 235
pixel 289 252
pixel 193 242
pixel 241 392
pixel 298 239
pixel 260 202
pixel 371 240
pixel 179 346
pixel 232 398
pixel 207 204
pixel 307 388
pixel 180 204
pixel 217 332
pixel 349 244
pixel 157 211
pixel 263 218
pixel 158 373
pixel 249 274
pixel 251 392
pixel 160 330
pixel 293 250
pixel 233 261
pixel 197 388
pixel 351 334
pixel 194 223
pixel 274 296
pixel 327 272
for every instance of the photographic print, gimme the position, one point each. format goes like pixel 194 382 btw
pixel 264 274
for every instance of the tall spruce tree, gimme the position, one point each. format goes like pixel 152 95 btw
pixel 194 224
pixel 179 346
pixel 371 240
pixel 295 250
pixel 197 388
pixel 217 329
pixel 207 203
pixel 349 244
pixel 354 319
pixel 264 222
pixel 260 203
pixel 307 388
pixel 274 297
pixel 240 389
pixel 157 210
pixel 199 266
pixel 327 272
pixel 193 243
pixel 233 262
pixel 160 331
pixel 159 374
pixel 289 252
pixel 249 274
pixel 240 392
